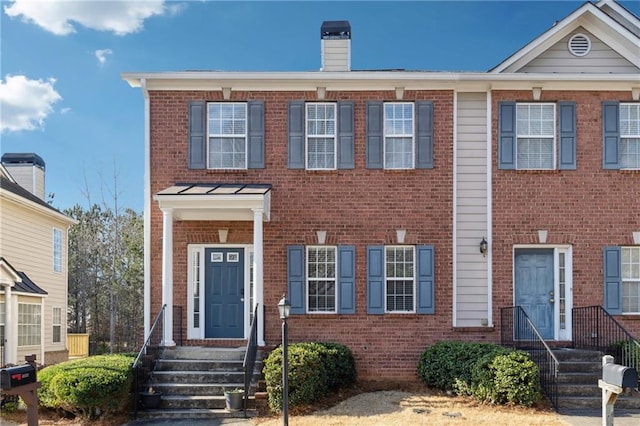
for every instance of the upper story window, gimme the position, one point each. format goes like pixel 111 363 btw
pixel 57 250
pixel 227 135
pixel 537 136
pixel 630 280
pixel 398 135
pixel 321 278
pixel 321 136
pixel 630 136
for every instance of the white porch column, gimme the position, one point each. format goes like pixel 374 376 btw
pixel 167 276
pixel 258 287
pixel 10 329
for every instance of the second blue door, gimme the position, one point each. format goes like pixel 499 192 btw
pixel 224 293
pixel 534 287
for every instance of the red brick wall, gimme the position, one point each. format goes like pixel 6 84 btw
pixel 587 208
pixel 360 206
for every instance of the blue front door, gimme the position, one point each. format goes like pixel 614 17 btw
pixel 224 293
pixel 534 287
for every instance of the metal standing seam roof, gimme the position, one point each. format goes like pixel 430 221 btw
pixel 26 285
pixel 216 189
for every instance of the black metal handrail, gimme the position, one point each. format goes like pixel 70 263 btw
pixel 517 331
pixel 595 329
pixel 250 358
pixel 145 362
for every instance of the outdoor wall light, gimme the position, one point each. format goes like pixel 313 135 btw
pixel 483 247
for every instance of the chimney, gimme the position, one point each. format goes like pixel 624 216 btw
pixel 27 170
pixel 335 44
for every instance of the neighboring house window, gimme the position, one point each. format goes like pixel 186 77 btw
pixel 400 279
pixel 398 135
pixel 630 280
pixel 537 136
pixel 321 279
pixel 2 322
pixel 227 131
pixel 321 136
pixel 630 136
pixel 29 324
pixel 57 250
pixel 57 325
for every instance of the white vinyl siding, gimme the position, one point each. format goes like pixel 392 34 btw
pixel 56 325
pixel 535 126
pixel 398 135
pixel 57 250
pixel 630 136
pixel 29 324
pixel 321 136
pixel 400 278
pixel 630 280
pixel 321 279
pixel 227 135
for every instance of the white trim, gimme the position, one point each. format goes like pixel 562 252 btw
pixel 489 146
pixel 245 135
pixel 336 293
pixel 554 136
pixel 415 278
pixel 402 136
pixel 147 211
pixel 31 205
pixel 307 136
pixel 454 299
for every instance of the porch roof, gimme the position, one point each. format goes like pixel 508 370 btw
pixel 215 201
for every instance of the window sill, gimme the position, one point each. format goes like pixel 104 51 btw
pixel 490 329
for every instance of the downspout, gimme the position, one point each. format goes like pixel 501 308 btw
pixel 147 210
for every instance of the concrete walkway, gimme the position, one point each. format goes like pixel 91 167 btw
pixel 594 417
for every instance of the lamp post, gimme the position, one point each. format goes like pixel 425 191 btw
pixel 284 307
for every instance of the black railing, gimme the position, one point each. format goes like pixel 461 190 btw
pixel 250 358
pixel 145 362
pixel 177 325
pixel 595 329
pixel 517 331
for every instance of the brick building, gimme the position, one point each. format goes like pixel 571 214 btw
pixel 398 208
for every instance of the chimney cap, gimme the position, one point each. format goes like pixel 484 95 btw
pixel 335 30
pixel 23 158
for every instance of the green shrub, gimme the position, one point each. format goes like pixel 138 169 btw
pixel 89 387
pixel 314 369
pixel 516 379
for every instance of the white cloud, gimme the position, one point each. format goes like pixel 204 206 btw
pixel 59 16
pixel 26 103
pixel 101 54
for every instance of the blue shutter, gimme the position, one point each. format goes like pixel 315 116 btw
pixel 197 135
pixel 374 135
pixel 424 137
pixel 612 280
pixel 611 135
pixel 346 149
pixel 295 278
pixel 426 292
pixel 507 135
pixel 346 279
pixel 256 134
pixel 375 280
pixel 567 125
pixel 296 134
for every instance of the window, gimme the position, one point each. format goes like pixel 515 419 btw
pixel 321 279
pixel 399 279
pixel 321 136
pixel 630 280
pixel 398 135
pixel 29 323
pixel 57 250
pixel 227 135
pixel 630 136
pixel 535 124
pixel 2 322
pixel 57 325
pixel 196 274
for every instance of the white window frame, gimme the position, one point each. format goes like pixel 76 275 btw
pixel 57 250
pixel 309 136
pixel 387 136
pixel 629 134
pixel 30 326
pixel 335 280
pixel 223 135
pixel 521 135
pixel 413 280
pixel 628 278
pixel 56 322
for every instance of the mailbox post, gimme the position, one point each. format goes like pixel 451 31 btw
pixel 616 379
pixel 21 380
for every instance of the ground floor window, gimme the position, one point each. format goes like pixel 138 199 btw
pixel 29 324
pixel 321 278
pixel 57 325
pixel 399 278
pixel 630 279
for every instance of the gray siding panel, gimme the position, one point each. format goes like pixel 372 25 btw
pixel 472 302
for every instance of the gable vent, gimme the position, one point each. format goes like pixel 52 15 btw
pixel 579 45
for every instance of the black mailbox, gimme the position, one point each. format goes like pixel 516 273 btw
pixel 12 377
pixel 619 375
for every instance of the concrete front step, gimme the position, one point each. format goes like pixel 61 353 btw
pixel 578 390
pixel 195 413
pixel 205 354
pixel 579 378
pixel 580 367
pixel 197 365
pixel 198 377
pixel 195 389
pixel 570 354
pixel 217 402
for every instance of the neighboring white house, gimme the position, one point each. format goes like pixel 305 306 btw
pixel 33 265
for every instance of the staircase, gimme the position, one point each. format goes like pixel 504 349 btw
pixel 578 376
pixel 193 379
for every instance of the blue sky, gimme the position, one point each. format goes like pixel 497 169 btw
pixel 62 96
